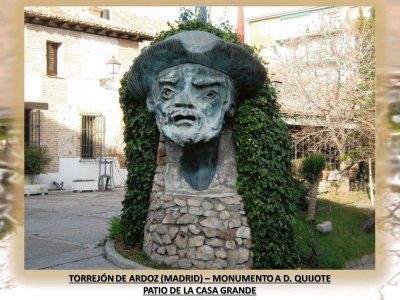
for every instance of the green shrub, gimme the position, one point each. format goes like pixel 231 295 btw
pixel 263 152
pixel 115 229
pixel 300 196
pixel 312 166
pixel 36 158
pixel 141 142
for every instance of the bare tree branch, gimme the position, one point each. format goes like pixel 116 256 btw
pixel 329 80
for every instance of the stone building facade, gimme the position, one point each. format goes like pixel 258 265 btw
pixel 71 100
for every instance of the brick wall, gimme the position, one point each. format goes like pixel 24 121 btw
pixel 76 89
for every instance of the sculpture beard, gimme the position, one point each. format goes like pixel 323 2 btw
pixel 190 102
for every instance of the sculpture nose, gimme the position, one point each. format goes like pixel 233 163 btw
pixel 184 105
pixel 184 100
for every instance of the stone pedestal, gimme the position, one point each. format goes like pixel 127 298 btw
pixel 197 229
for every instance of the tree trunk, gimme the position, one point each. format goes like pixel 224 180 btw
pixel 313 201
pixel 344 181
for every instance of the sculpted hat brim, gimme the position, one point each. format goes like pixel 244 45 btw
pixel 197 47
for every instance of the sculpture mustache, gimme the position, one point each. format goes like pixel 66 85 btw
pixel 184 116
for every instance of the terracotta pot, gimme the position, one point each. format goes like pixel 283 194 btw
pixel 325 174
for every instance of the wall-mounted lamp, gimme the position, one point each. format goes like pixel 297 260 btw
pixel 113 66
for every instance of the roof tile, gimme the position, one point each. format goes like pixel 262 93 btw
pixel 122 20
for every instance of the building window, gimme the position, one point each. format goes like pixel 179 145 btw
pixel 52 58
pixel 92 136
pixel 32 126
pixel 106 14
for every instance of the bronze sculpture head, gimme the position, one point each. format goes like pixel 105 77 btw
pixel 190 81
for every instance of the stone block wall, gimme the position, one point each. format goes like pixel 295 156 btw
pixel 196 230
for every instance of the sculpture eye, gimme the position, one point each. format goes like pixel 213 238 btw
pixel 211 94
pixel 166 92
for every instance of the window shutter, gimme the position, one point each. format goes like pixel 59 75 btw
pixel 52 49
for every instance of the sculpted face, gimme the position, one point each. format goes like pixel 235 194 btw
pixel 190 102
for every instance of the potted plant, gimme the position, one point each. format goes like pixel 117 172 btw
pixel 36 158
pixel 325 174
pixel 80 185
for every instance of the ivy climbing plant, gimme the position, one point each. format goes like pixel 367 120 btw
pixel 262 145
pixel 263 152
pixel 141 141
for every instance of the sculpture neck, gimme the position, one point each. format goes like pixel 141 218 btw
pixel 199 163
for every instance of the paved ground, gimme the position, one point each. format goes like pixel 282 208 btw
pixel 63 230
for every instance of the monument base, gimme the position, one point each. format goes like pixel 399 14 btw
pixel 192 232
